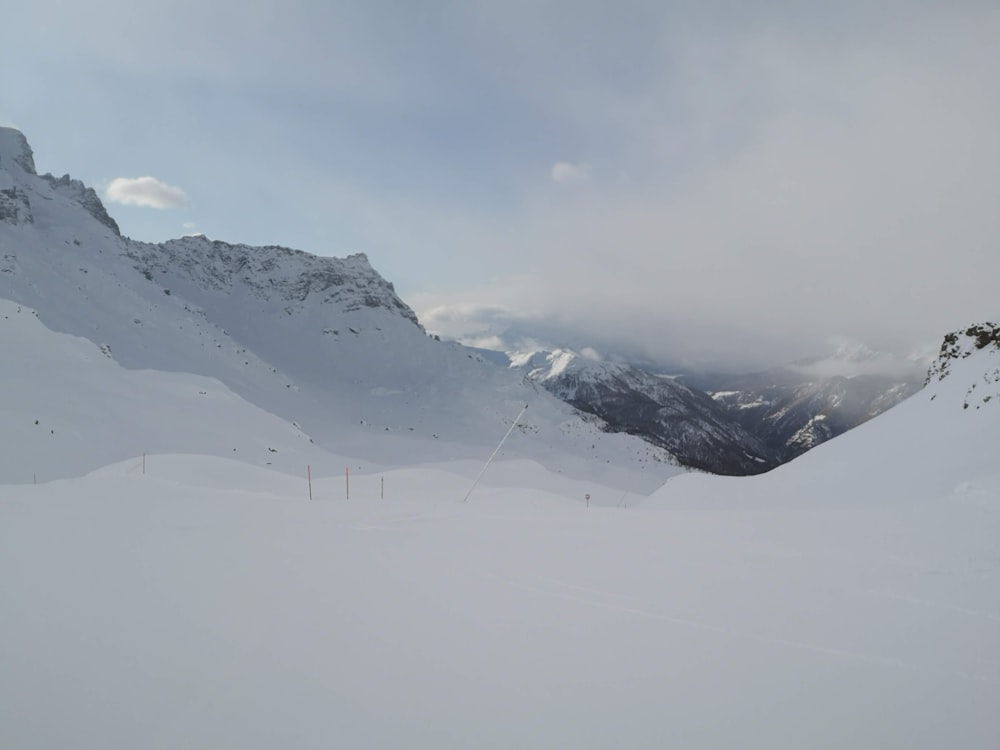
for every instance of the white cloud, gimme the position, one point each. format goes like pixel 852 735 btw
pixel 816 184
pixel 145 191
pixel 564 171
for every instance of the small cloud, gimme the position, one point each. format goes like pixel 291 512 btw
pixel 145 191
pixel 564 171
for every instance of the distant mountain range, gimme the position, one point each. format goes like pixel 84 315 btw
pixel 725 423
pixel 792 411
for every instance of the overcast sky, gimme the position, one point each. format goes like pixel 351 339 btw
pixel 701 182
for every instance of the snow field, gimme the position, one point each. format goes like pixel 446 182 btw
pixel 210 604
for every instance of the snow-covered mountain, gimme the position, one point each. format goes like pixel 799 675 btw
pixel 685 421
pixel 322 343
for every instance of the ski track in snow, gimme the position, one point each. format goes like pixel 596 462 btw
pixel 934 605
pixel 399 521
pixel 730 632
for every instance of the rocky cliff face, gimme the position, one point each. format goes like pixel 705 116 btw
pixel 85 196
pixel 14 149
pixel 15 208
pixel 17 168
pixel 16 161
pixel 272 274
pixel 959 345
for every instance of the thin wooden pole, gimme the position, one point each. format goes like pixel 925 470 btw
pixel 309 476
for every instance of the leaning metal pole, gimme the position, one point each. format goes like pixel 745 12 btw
pixel 512 426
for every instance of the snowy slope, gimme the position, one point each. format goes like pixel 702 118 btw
pixel 210 604
pixel 68 408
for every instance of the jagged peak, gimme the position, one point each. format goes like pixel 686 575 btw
pixel 549 364
pixel 16 156
pixel 14 149
pixel 85 196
